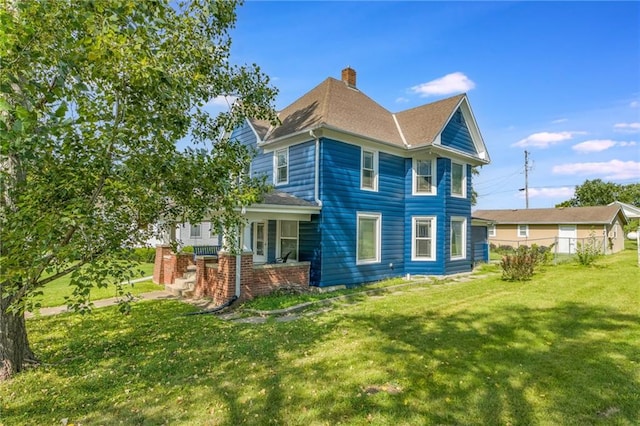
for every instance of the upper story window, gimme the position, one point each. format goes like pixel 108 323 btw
pixel 369 238
pixel 424 180
pixel 458 180
pixel 423 236
pixel 281 166
pixel 523 231
pixel 196 230
pixel 369 170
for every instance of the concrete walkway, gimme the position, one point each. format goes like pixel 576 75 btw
pixel 153 295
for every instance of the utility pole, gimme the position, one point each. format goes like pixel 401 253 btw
pixel 526 178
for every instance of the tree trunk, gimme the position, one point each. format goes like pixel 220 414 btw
pixel 14 344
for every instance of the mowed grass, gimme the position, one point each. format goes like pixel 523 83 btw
pixel 561 349
pixel 54 293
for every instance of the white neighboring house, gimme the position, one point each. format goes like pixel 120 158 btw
pixel 188 234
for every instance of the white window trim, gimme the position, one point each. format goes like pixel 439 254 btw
pixel 464 237
pixel 464 180
pixel 375 170
pixel 279 238
pixel 526 231
pixel 378 218
pixel 414 176
pixel 434 233
pixel 193 226
pixel 491 230
pixel 275 166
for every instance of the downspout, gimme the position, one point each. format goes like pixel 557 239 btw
pixel 239 258
pixel 316 191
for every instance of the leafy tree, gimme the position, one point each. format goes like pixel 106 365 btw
pixel 599 193
pixel 94 96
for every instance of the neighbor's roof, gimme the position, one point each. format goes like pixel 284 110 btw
pixel 567 215
pixel 630 210
pixel 336 105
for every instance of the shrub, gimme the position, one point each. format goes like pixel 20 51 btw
pixel 544 254
pixel 520 266
pixel 144 254
pixel 504 249
pixel 588 251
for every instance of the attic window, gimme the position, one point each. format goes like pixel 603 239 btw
pixel 458 117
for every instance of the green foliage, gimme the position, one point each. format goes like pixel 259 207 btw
pixel 94 97
pixel 599 193
pixel 561 349
pixel 520 265
pixel 144 254
pixel 632 226
pixel 588 251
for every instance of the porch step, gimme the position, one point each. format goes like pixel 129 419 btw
pixel 182 287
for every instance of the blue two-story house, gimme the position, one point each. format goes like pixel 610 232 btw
pixel 361 193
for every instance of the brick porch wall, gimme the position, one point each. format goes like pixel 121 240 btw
pixel 218 281
pixel 168 266
pixel 267 278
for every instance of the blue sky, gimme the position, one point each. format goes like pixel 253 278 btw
pixel 558 79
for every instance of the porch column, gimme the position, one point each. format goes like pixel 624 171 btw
pixel 246 238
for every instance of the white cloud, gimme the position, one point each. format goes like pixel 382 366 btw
pixel 560 120
pixel 627 127
pixel 595 145
pixel 614 169
pixel 451 83
pixel 545 139
pixel 634 104
pixel 598 145
pixel 402 100
pixel 563 192
pixel 222 101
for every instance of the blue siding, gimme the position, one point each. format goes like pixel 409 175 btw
pixel 271 241
pixel 425 205
pixel 456 135
pixel 343 199
pixel 309 247
pixel 461 207
pixel 245 135
pixel 301 171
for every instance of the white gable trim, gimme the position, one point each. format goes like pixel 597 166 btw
pixel 258 140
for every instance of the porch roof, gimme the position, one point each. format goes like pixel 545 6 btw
pixel 278 205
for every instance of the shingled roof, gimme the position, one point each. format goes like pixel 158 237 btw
pixel 338 105
pixel 567 215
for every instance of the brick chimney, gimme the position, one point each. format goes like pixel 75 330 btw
pixel 349 77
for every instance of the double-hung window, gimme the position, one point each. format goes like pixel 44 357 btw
pixel 458 237
pixel 491 230
pixel 288 239
pixel 369 170
pixel 458 180
pixel 281 166
pixel 423 238
pixel 369 238
pixel 523 231
pixel 196 230
pixel 424 172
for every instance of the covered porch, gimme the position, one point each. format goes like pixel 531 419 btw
pixel 270 258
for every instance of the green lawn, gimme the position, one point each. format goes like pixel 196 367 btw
pixel 561 349
pixel 55 292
